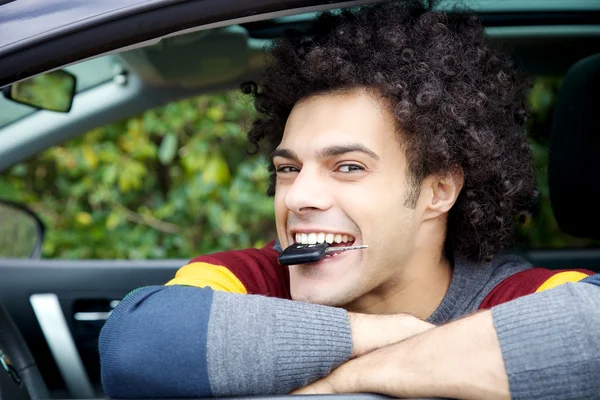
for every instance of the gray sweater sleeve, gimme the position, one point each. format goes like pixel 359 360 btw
pixel 550 343
pixel 258 345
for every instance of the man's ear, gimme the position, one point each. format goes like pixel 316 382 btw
pixel 442 192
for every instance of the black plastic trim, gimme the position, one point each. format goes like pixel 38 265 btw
pixel 556 259
pixel 545 18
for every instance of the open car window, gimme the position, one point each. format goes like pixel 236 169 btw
pixel 177 181
pixel 173 182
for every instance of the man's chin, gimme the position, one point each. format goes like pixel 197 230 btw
pixel 325 297
pixel 322 285
pixel 315 299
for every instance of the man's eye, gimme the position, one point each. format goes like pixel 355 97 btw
pixel 347 168
pixel 286 169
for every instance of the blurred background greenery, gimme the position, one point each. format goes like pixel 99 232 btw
pixel 176 181
pixel 173 182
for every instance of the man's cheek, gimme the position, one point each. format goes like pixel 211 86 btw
pixel 279 203
pixel 280 218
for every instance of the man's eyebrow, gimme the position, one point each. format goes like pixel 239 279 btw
pixel 330 151
pixel 339 150
pixel 285 153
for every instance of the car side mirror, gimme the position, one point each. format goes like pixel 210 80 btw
pixel 52 91
pixel 21 231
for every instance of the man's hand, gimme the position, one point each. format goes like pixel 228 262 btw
pixel 459 360
pixel 371 332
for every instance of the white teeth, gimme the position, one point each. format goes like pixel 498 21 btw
pixel 304 239
pixel 329 238
pixel 320 237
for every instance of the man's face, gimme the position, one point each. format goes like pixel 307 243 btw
pixel 342 176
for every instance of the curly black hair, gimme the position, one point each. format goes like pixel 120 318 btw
pixel 457 101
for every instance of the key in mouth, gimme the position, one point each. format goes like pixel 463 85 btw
pixel 299 253
pixel 335 249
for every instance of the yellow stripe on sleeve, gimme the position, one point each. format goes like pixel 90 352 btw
pixel 202 274
pixel 560 278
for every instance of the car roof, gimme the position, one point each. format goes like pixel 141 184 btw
pixel 25 22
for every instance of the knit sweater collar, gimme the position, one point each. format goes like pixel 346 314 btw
pixel 471 282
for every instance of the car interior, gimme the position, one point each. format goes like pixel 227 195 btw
pixel 52 310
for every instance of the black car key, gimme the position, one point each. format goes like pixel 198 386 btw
pixel 299 253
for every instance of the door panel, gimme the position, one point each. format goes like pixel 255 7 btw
pixel 71 301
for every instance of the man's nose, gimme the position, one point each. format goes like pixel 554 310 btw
pixel 309 192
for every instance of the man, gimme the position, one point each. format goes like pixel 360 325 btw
pixel 398 128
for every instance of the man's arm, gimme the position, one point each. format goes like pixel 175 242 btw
pixel 459 360
pixel 179 341
pixel 550 342
pixel 542 346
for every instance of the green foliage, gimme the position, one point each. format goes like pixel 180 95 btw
pixel 175 181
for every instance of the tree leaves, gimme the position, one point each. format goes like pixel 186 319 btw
pixel 131 175
pixel 153 186
pixel 216 171
pixel 167 149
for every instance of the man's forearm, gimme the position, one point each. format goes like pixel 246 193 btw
pixel 458 360
pixel 181 341
pixel 542 346
pixel 551 343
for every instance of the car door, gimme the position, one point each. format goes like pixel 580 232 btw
pixel 60 307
